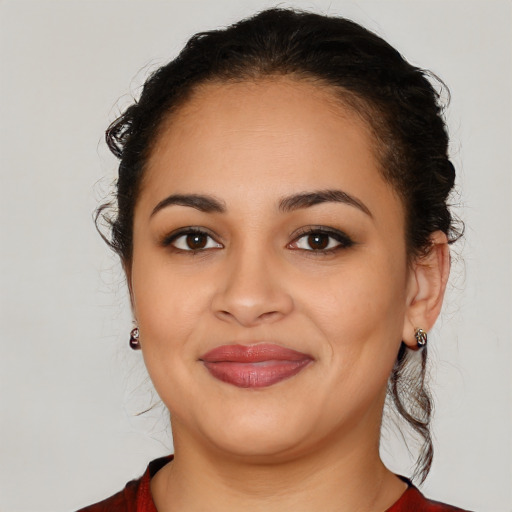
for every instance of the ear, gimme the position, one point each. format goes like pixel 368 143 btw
pixel 428 276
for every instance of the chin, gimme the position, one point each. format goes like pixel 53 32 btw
pixel 260 447
pixel 257 435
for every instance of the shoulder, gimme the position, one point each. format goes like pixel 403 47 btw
pixel 123 501
pixel 135 497
pixel 413 499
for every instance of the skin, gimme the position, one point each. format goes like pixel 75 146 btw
pixel 310 442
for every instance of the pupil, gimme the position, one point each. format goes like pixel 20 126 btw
pixel 318 241
pixel 196 241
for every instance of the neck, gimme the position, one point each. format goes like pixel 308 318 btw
pixel 336 477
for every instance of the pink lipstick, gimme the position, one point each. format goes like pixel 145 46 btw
pixel 254 366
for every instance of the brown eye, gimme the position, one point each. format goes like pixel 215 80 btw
pixel 196 241
pixel 322 241
pixel 193 241
pixel 318 241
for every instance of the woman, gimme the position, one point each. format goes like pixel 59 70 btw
pixel 283 225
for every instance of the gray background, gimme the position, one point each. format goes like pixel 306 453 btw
pixel 69 385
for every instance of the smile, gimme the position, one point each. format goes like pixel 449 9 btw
pixel 254 366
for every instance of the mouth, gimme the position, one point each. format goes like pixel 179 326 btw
pixel 254 366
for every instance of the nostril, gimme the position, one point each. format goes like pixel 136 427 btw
pixel 268 315
pixel 248 318
pixel 249 305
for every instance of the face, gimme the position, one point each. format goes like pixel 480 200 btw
pixel 269 276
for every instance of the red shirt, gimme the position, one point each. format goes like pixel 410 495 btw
pixel 136 497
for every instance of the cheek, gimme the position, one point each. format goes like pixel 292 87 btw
pixel 361 313
pixel 167 307
pixel 166 304
pixel 357 296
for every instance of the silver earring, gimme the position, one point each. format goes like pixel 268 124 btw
pixel 421 337
pixel 134 339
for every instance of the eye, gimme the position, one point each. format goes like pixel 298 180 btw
pixel 321 240
pixel 192 240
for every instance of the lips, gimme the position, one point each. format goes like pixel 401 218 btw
pixel 254 366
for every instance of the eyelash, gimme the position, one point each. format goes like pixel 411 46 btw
pixel 343 240
pixel 184 232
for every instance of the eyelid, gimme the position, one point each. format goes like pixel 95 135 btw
pixel 344 241
pixel 169 238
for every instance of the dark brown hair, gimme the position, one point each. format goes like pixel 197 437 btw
pixel 397 100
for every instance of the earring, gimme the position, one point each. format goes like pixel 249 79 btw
pixel 134 339
pixel 421 337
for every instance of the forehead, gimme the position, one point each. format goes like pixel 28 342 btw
pixel 271 108
pixel 263 139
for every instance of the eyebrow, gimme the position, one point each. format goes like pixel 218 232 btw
pixel 307 199
pixel 210 204
pixel 203 203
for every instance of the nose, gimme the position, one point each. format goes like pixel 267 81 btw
pixel 251 291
